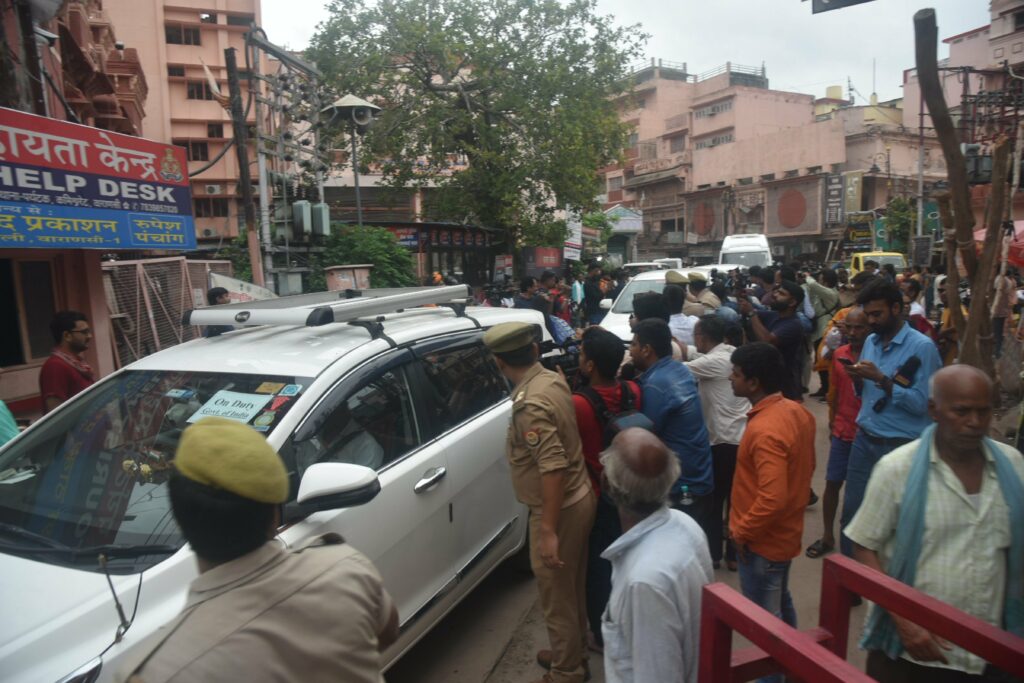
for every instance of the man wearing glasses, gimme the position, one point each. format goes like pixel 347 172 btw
pixel 65 372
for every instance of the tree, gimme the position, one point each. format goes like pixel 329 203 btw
pixel 506 108
pixel 347 244
pixel 900 219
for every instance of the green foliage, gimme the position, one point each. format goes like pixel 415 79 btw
pixel 900 221
pixel 392 263
pixel 599 220
pixel 506 108
pixel 237 251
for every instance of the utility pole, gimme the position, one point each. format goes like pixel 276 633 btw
pixel 920 161
pixel 240 130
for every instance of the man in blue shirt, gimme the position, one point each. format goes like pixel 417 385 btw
pixel 893 372
pixel 672 403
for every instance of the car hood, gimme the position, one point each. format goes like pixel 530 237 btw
pixel 56 618
pixel 618 324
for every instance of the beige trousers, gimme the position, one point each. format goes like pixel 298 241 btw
pixel 563 591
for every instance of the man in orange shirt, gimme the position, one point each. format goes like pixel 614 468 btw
pixel 773 474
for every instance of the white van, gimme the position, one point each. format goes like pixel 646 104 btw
pixel 746 251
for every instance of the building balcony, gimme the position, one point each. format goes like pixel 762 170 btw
pixel 662 163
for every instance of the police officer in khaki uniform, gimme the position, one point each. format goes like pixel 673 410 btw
pixel 258 612
pixel 549 475
pixel 700 293
pixel 691 306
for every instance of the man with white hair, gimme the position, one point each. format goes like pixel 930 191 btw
pixel 660 564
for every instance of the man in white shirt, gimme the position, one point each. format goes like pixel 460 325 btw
pixel 725 414
pixel 680 323
pixel 660 564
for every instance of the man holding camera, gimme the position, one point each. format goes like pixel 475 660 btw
pixel 548 474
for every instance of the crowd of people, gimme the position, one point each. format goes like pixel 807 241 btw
pixel 699 450
pixel 690 448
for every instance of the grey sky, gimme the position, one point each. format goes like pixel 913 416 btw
pixel 801 51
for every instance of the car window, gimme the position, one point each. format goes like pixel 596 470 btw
pixel 461 382
pixel 624 304
pixel 95 472
pixel 374 425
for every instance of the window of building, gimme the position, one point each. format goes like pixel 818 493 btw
pixel 176 34
pixel 745 181
pixel 793 173
pixel 713 109
pixel 1018 21
pixel 813 170
pixel 208 17
pixel 767 176
pixel 704 186
pixel 198 151
pixel 677 144
pixel 175 70
pixel 210 207
pixel 199 90
pixel 614 183
pixel 668 225
pixel 634 138
pixel 713 141
pixel 215 130
pixel 240 19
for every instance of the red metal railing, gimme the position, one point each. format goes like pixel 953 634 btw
pixel 819 654
pixel 843 578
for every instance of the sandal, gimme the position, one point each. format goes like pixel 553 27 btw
pixel 818 549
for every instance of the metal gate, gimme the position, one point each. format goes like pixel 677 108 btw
pixel 146 299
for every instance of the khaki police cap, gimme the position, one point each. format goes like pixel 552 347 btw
pixel 674 277
pixel 505 337
pixel 696 276
pixel 229 455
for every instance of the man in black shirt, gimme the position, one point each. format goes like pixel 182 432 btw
pixel 592 294
pixel 782 329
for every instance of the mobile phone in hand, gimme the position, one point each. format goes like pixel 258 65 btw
pixel 845 361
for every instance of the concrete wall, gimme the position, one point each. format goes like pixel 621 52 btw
pixel 797 148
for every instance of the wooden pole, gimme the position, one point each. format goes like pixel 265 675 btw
pixel 977 348
pixel 926 44
pixel 241 135
pixel 952 270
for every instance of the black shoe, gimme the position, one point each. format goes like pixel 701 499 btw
pixel 813 499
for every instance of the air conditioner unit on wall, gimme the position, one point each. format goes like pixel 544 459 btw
pixel 213 189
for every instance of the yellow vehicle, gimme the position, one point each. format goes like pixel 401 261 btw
pixel 899 261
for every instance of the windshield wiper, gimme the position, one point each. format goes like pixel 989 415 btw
pixel 21 532
pixel 112 551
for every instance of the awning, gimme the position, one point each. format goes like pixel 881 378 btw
pixel 648 178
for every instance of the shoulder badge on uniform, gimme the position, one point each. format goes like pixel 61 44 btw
pixel 531 438
pixel 519 397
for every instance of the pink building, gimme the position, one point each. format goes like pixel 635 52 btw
pixel 721 153
pixel 173 39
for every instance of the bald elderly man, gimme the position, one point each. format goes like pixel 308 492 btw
pixel 945 514
pixel 660 564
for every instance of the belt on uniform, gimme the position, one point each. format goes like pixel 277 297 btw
pixel 884 439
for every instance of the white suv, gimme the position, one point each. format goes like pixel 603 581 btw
pixel 413 395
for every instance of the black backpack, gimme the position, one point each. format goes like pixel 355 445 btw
pixel 628 416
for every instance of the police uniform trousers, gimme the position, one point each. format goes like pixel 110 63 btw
pixel 563 596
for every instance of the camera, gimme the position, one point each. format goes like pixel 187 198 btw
pixel 568 360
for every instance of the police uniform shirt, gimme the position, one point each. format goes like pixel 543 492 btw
pixel 543 438
pixel 276 615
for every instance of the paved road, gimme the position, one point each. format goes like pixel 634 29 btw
pixel 493 635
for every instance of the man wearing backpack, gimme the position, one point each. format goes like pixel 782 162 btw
pixel 598 405
pixel 673 405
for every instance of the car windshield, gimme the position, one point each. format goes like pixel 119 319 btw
pixel 746 258
pixel 95 473
pixel 624 304
pixel 897 261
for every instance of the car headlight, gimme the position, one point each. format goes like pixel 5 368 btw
pixel 87 673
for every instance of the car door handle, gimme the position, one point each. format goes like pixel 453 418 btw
pixel 430 477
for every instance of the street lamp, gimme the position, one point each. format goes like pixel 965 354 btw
pixel 359 113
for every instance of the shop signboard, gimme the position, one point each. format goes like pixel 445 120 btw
pixel 573 249
pixel 854 182
pixel 834 199
pixel 64 185
pixel 538 259
pixel 407 237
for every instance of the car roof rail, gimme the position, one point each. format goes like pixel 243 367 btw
pixel 308 313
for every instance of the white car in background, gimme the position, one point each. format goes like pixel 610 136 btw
pixel 616 319
pixel 416 389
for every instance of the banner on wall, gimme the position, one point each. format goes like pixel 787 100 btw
pixel 64 185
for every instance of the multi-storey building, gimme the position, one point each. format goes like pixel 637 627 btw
pixel 71 65
pixel 174 38
pixel 721 153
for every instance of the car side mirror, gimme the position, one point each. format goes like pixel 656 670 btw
pixel 606 304
pixel 334 485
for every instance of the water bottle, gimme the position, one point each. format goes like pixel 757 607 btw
pixel 685 497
